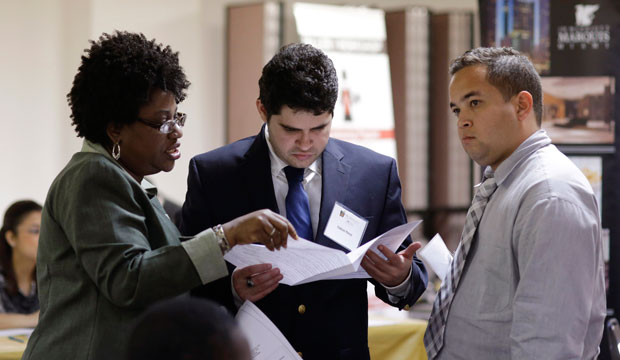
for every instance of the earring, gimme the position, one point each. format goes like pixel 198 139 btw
pixel 116 151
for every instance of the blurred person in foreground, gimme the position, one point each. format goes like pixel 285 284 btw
pixel 188 329
pixel 107 248
pixel 527 280
pixel 19 238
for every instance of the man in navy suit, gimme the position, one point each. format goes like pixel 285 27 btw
pixel 323 319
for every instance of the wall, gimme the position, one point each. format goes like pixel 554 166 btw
pixel 42 43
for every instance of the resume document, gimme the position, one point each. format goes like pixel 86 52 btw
pixel 304 261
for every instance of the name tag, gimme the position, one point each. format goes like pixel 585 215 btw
pixel 345 227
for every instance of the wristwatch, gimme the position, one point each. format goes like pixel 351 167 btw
pixel 221 238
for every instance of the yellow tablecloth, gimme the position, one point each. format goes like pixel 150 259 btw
pixel 398 340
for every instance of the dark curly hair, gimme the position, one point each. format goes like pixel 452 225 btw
pixel 301 77
pixel 115 79
pixel 508 70
pixel 13 217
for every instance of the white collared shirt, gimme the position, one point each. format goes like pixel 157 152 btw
pixel 312 183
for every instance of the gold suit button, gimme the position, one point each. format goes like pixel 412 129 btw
pixel 300 354
pixel 301 309
pixel 406 308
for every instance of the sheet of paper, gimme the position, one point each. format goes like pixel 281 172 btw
pixel 16 331
pixel 390 239
pixel 437 256
pixel 266 341
pixel 301 260
pixel 304 261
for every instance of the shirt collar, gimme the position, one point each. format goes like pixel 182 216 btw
pixel 536 141
pixel 278 165
pixel 91 147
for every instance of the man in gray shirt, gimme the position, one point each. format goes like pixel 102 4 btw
pixel 532 284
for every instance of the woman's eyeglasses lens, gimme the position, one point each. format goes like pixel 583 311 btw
pixel 168 126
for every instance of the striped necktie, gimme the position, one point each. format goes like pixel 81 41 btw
pixel 433 338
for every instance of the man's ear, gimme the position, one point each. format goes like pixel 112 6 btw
pixel 113 130
pixel 261 110
pixel 524 104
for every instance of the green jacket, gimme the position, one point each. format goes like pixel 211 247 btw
pixel 107 250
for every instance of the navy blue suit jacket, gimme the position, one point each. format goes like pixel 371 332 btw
pixel 236 179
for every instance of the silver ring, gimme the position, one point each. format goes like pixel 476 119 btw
pixel 272 232
pixel 250 282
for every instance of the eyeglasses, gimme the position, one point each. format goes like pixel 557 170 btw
pixel 167 126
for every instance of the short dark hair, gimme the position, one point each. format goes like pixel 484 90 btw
pixel 13 217
pixel 116 78
pixel 508 70
pixel 185 328
pixel 301 77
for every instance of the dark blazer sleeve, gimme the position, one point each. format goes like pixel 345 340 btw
pixel 195 212
pixel 197 216
pixel 394 215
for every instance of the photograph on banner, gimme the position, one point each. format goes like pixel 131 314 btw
pixel 520 24
pixel 354 38
pixel 592 168
pixel 579 110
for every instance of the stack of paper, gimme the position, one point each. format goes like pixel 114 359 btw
pixel 265 340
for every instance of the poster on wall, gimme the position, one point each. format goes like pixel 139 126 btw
pixel 592 168
pixel 355 39
pixel 579 110
pixel 561 37
pixel 520 24
pixel 583 34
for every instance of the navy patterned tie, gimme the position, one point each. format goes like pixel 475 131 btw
pixel 297 204
pixel 433 338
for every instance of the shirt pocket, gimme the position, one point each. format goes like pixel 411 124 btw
pixel 496 284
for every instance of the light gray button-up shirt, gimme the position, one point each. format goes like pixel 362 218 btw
pixel 533 284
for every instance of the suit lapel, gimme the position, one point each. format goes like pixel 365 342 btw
pixel 256 175
pixel 335 178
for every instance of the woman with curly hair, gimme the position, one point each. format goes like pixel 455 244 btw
pixel 19 237
pixel 107 248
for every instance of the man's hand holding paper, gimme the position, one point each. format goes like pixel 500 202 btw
pixel 304 261
pixel 392 269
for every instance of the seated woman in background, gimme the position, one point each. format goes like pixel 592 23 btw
pixel 19 238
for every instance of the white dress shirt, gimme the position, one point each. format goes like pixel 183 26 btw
pixel 312 183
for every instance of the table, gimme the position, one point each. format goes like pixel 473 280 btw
pixel 388 339
pixel 396 339
pixel 11 348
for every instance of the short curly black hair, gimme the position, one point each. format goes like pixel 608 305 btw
pixel 116 78
pixel 301 77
